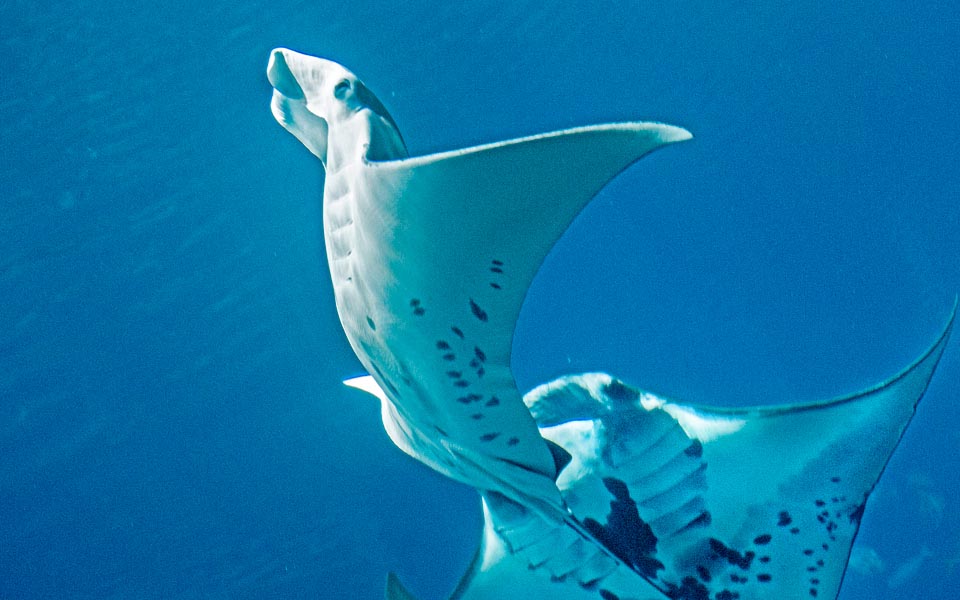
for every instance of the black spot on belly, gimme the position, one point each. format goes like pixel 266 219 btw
pixel 477 311
pixel 808 552
pixel 764 559
pixel 608 595
pixel 489 437
pixel 479 354
pixel 476 416
pixel 795 530
pixel 617 390
pixel 730 555
pixel 820 503
pixel 690 589
pixel 461 383
pixel 449 356
pixel 813 592
pixel 469 398
pixel 496 270
pixel 495 286
pixel 371 324
pixel 418 311
pixel 493 401
pixel 726 595
pixel 835 479
pixel 513 441
pixel 784 519
pixel 704 573
pixel 695 449
pixel 761 540
pixel 442 345
pixel 457 332
pixel 625 533
pixel 496 262
pixel 454 374
pixel 764 577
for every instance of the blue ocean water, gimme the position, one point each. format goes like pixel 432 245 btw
pixel 172 423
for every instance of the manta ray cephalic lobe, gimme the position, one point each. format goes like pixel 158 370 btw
pixel 590 488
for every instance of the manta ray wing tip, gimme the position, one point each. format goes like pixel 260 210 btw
pixel 672 133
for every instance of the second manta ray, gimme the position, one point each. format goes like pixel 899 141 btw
pixel 591 489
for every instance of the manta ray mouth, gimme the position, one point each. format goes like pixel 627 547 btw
pixel 282 78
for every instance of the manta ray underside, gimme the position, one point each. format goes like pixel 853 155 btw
pixel 591 489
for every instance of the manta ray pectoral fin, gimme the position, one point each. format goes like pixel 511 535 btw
pixel 747 503
pixel 454 241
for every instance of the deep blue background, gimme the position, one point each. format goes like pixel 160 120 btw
pixel 171 419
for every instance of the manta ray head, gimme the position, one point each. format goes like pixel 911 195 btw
pixel 319 102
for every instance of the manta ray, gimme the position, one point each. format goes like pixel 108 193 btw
pixel 591 489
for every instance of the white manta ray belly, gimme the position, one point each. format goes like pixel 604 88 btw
pixel 591 489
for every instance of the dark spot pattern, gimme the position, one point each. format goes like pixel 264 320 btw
pixel 442 345
pixel 620 392
pixel 694 450
pixel 449 356
pixel 761 540
pixel 513 441
pixel 417 308
pixel 371 324
pixel 625 534
pixel 690 589
pixel 764 577
pixel 489 437
pixel 493 401
pixel 730 555
pixel 478 312
pixel 784 519
pixel 608 595
pixel 457 332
